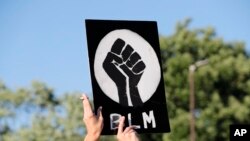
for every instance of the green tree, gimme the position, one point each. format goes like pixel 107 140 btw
pixel 36 114
pixel 222 88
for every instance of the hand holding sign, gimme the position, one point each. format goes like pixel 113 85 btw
pixel 129 134
pixel 122 64
pixel 94 123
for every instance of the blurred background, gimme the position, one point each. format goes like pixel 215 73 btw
pixel 44 65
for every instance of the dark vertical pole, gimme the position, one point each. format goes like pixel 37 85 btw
pixel 192 69
pixel 192 103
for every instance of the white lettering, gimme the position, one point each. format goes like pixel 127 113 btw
pixel 243 131
pixel 130 122
pixel 240 132
pixel 237 132
pixel 114 121
pixel 146 118
pixel 149 119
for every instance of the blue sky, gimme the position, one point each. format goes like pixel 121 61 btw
pixel 46 40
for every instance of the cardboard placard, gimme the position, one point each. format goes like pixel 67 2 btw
pixel 126 74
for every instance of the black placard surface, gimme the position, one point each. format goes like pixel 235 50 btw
pixel 126 74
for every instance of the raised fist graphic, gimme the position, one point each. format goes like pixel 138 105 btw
pixel 125 67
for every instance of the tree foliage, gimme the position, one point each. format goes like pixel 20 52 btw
pixel 35 114
pixel 222 90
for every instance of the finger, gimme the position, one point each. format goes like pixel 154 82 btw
pixel 117 46
pixel 99 113
pixel 134 58
pixel 121 125
pixel 132 131
pixel 87 112
pixel 133 128
pixel 112 57
pixel 127 52
pixel 128 129
pixel 139 67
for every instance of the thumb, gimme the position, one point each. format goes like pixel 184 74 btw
pixel 126 70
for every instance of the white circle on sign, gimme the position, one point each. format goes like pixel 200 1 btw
pixel 150 78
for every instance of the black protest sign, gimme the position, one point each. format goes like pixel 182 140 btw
pixel 126 73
